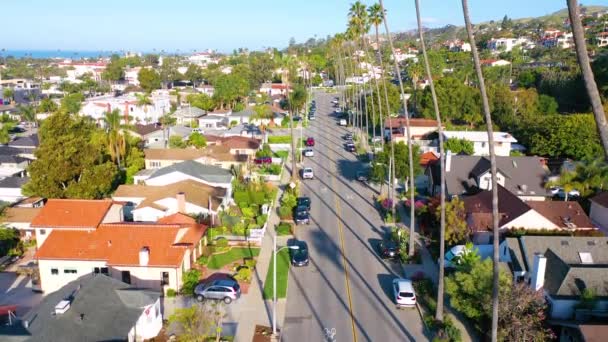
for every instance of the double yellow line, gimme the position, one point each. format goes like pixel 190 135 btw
pixel 345 264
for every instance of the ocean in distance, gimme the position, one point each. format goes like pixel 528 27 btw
pixel 72 54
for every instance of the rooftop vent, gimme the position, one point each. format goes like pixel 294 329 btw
pixel 514 163
pixel 565 243
pixel 62 307
pixel 586 257
pixel 591 243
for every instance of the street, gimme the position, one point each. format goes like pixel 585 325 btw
pixel 345 293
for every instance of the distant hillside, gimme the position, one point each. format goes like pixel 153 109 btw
pixel 559 16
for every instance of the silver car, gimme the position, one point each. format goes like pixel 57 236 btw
pixel 226 290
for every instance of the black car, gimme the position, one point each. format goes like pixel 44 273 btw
pixel 303 202
pixel 362 176
pixel 301 215
pixel 350 147
pixel 388 249
pixel 299 257
pixel 348 136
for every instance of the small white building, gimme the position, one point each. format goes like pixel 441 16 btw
pixel 78 69
pixel 506 44
pixel 502 141
pixel 128 106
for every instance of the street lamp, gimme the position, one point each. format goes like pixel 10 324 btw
pixel 274 284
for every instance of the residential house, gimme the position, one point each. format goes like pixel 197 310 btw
pixel 10 188
pixel 516 213
pixel 151 255
pixel 522 176
pixel 481 147
pixel 236 145
pixel 92 307
pixel 75 70
pixel 563 40
pixel 206 89
pixel 149 203
pixel 157 158
pixel 599 210
pixel 147 133
pixel 207 174
pixel 132 76
pixel 494 62
pixel 188 115
pixel 562 267
pixel 419 129
pixel 601 39
pixel 20 218
pixel 401 55
pixel 74 215
pixel 248 116
pixel 457 45
pixel 12 164
pixel 272 89
pixel 507 44
pixel 96 107
pixel 202 58
pixel 212 121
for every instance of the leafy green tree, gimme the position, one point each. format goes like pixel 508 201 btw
pixel 135 162
pixel 527 78
pixel 568 181
pixel 459 146
pixel 194 74
pixel 402 160
pixel 27 114
pixel 114 70
pixel 175 141
pixel 72 103
pixel 316 80
pixel 149 79
pixel 522 315
pixel 9 241
pixel 547 104
pixel 202 101
pixel 47 106
pixel 468 258
pixel 197 140
pixel 456 228
pixel 230 89
pixel 67 163
pixel 458 102
pixel 195 323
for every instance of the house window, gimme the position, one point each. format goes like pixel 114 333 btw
pixel 164 278
pixel 126 277
pixel 42 231
pixel 54 271
pixel 155 164
pixel 102 270
pixel 69 271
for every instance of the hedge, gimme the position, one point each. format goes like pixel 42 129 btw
pixel 279 139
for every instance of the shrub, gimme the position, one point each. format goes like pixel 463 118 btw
pixel 239 229
pixel 251 263
pixel 172 293
pixel 221 242
pixel 212 233
pixel 257 197
pixel 283 228
pixel 190 280
pixel 279 139
pixel 243 274
pixel 248 213
pixel 203 260
pixel 261 220
pixel 241 198
pixel 284 212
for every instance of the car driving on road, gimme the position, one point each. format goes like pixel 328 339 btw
pixel 309 152
pixel 226 290
pixel 404 292
pixel 388 250
pixel 307 173
pixel 299 256
pixel 303 202
pixel 350 147
pixel 310 142
pixel 301 215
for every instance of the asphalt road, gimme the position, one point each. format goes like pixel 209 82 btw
pixel 346 290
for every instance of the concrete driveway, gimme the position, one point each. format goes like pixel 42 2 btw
pixel 17 290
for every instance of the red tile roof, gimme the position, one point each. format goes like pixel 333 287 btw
pixel 119 244
pixel 414 122
pixel 72 213
pixel 428 158
pixel 177 218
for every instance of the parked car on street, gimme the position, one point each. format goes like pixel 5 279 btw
pixel 307 173
pixel 348 136
pixel 299 256
pixel 310 142
pixel 309 152
pixel 225 289
pixel 350 147
pixel 301 215
pixel 404 292
pixel 263 160
pixel 303 202
pixel 388 249
pixel 362 176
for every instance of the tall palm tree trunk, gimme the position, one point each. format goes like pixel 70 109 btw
pixel 379 55
pixel 583 61
pixel 412 186
pixel 371 97
pixel 488 117
pixel 427 68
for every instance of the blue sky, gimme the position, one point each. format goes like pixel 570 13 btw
pixel 143 25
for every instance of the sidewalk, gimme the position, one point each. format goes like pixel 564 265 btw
pixel 431 270
pixel 253 309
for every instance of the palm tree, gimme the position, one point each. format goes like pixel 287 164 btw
pixel 27 114
pixel 427 68
pixel 583 60
pixel 592 175
pixel 8 93
pixel 412 185
pixel 142 100
pixel 375 18
pixel 568 181
pixel 490 130
pixel 117 144
pixel 166 121
pixel 358 24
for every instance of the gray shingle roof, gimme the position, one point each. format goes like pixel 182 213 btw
pixel 189 112
pixel 209 173
pixel 110 307
pixel 565 274
pixel 27 141
pixel 4 159
pixel 13 182
pixel 525 176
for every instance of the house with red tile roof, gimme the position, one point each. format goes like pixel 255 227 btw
pixel 74 214
pixel 146 255
pixel 419 128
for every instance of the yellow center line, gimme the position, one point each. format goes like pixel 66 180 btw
pixel 345 265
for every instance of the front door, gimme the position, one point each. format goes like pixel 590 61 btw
pixel 126 277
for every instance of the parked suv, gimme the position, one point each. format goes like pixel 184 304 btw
pixel 307 173
pixel 301 215
pixel 225 289
pixel 404 292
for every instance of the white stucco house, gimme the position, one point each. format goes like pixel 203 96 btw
pixel 149 203
pixel 146 255
pixel 96 107
pixel 502 141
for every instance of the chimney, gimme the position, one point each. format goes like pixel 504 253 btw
pixel 181 202
pixel 448 161
pixel 538 272
pixel 144 256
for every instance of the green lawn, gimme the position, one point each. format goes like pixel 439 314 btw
pixel 279 139
pixel 282 154
pixel 217 261
pixel 282 276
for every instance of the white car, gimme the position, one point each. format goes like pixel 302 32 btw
pixel 309 152
pixel 572 193
pixel 404 292
pixel 342 122
pixel 307 173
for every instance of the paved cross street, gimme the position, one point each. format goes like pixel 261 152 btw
pixel 347 287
